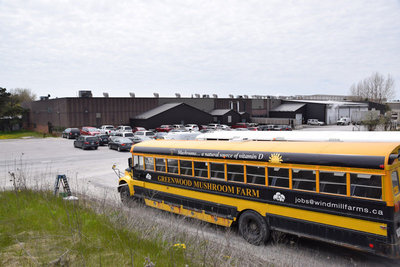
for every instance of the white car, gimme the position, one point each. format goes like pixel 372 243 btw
pixel 192 127
pixel 123 128
pixel 145 135
pixel 213 126
pixel 315 122
pixel 223 127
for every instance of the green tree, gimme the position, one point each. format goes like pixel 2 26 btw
pixel 4 98
pixel 371 120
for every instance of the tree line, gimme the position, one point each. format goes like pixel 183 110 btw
pixel 376 88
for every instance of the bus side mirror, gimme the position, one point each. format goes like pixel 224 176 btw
pixel 130 162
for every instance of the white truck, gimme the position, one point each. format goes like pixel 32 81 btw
pixel 123 129
pixel 106 129
pixel 343 121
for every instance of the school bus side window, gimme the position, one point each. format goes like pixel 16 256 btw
pixel 366 185
pixel 186 167
pixel 235 173
pixel 278 177
pixel 255 174
pixel 138 162
pixel 395 182
pixel 200 169
pixel 172 165
pixel 304 179
pixel 149 163
pixel 160 165
pixel 332 182
pixel 217 170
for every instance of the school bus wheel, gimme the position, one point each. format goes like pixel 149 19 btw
pixel 125 194
pixel 253 228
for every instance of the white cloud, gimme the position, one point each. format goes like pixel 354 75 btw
pixel 223 47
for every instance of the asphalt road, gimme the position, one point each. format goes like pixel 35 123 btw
pixel 41 160
pixel 90 171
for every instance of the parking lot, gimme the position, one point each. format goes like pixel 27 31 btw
pixel 40 160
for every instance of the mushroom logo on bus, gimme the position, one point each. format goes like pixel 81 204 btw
pixel 279 197
pixel 148 176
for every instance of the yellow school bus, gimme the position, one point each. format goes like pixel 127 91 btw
pixel 344 193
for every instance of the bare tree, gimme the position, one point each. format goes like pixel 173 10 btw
pixel 374 88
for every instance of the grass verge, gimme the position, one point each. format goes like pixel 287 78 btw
pixel 21 134
pixel 37 228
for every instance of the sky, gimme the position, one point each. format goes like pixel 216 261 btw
pixel 221 47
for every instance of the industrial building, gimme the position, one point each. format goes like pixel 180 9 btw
pixel 58 113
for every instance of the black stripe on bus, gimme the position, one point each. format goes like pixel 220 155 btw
pixel 355 161
pixel 364 209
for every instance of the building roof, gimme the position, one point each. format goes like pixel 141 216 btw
pixel 219 112
pixel 155 111
pixel 288 107
pixel 331 102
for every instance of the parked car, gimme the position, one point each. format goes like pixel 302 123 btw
pixel 179 126
pixel 120 143
pixel 145 135
pixel 240 125
pixel 192 127
pixel 103 139
pixel 106 129
pixel 212 126
pixel 135 129
pixel 164 128
pixel 268 127
pixel 159 135
pixel 343 121
pixel 223 127
pixel 282 128
pixel 125 134
pixel 123 128
pixel 315 122
pixel 88 130
pixel 71 133
pixel 253 128
pixel 87 141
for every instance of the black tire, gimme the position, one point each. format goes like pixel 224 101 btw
pixel 95 148
pixel 125 195
pixel 253 228
pixel 74 145
pixel 109 146
pixel 119 149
